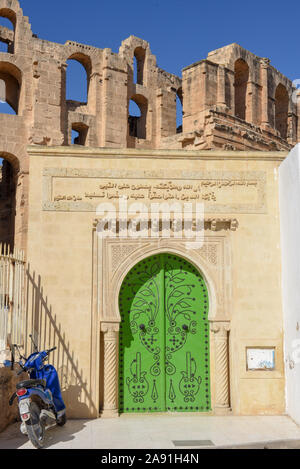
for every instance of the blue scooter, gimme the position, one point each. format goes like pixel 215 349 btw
pixel 40 401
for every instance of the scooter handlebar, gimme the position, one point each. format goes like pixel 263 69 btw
pixel 23 370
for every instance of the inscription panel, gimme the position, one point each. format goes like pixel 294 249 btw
pixel 83 190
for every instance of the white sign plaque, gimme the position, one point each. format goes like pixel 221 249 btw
pixel 260 358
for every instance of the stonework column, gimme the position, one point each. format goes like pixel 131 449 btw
pixel 290 127
pixel 21 219
pixel 221 101
pixel 110 373
pixel 265 93
pixel 204 85
pixel 294 109
pixel 250 103
pixel 222 400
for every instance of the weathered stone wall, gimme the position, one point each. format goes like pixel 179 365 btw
pixel 8 381
pixel 34 72
pixel 234 100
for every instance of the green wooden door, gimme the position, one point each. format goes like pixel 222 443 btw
pixel 164 338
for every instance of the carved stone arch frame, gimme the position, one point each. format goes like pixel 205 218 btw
pixel 113 259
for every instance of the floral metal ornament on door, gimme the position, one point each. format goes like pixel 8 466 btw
pixel 164 338
pixel 186 337
pixel 141 348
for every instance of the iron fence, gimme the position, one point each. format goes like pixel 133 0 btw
pixel 12 294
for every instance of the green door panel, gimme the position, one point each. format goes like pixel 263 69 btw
pixel 141 375
pixel 164 338
pixel 187 337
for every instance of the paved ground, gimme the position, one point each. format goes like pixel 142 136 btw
pixel 160 432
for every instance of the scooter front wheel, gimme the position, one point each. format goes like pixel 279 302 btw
pixel 35 429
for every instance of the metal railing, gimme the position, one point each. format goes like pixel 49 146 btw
pixel 12 294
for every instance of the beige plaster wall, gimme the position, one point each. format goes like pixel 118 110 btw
pixel 65 271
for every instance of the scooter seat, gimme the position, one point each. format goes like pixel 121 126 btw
pixel 30 383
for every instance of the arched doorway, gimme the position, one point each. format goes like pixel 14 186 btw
pixel 138 115
pixel 281 110
pixel 9 168
pixel 78 78
pixel 241 78
pixel 164 338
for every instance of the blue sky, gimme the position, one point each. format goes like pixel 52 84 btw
pixel 179 33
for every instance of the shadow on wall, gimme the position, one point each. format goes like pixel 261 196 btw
pixel 47 333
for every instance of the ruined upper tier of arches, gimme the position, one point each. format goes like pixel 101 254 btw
pixel 232 100
pixel 236 100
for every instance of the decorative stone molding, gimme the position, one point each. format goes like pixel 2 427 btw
pixel 111 338
pixel 210 253
pixel 215 224
pixel 120 252
pixel 141 224
pixel 220 330
pixel 117 256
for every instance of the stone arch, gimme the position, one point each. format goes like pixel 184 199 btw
pixel 281 110
pixel 11 10
pixel 82 130
pixel 241 78
pixel 134 48
pixel 11 76
pixel 10 15
pixel 12 159
pixel 138 127
pixel 7 34
pixel 85 61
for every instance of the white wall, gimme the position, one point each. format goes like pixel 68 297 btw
pixel 289 194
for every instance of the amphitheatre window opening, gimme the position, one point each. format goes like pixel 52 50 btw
pixel 7 31
pixel 137 120
pixel 179 111
pixel 77 82
pixel 7 202
pixel 79 134
pixel 241 75
pixel 139 65
pixel 9 93
pixel 6 23
pixel 281 110
pixel 3 46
